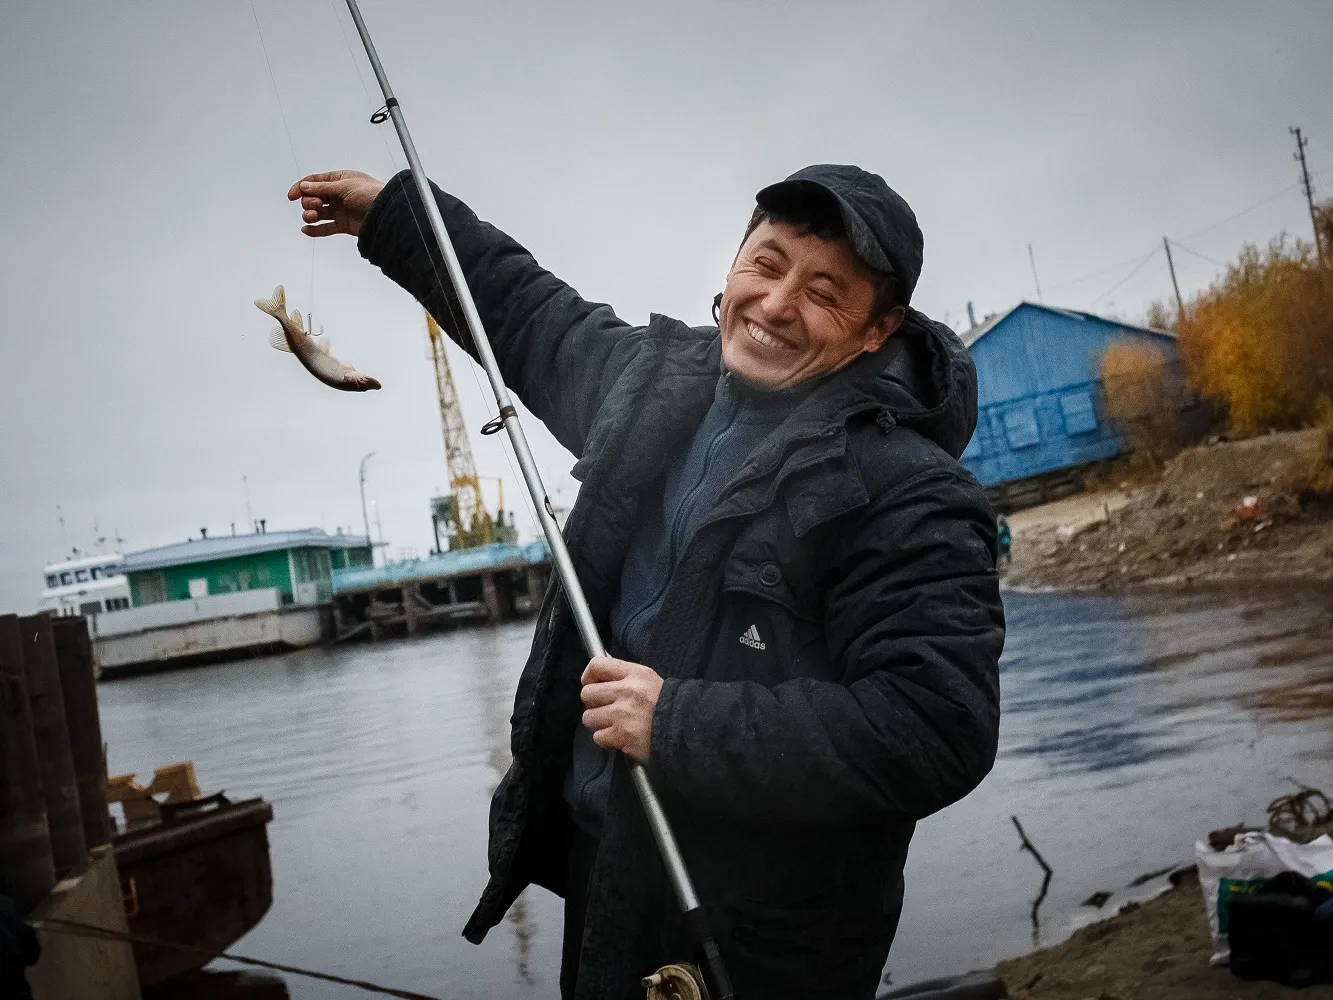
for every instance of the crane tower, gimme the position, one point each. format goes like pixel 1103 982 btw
pixel 462 512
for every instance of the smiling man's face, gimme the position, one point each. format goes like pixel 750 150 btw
pixel 797 306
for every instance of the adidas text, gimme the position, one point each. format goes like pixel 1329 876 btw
pixel 751 638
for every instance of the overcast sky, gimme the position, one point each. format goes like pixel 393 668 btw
pixel 144 162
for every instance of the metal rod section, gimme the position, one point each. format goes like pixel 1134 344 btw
pixel 564 566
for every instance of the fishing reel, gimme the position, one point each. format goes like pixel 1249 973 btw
pixel 676 981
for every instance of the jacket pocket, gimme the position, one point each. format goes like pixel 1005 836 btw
pixel 760 639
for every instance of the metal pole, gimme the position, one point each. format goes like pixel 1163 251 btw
pixel 564 566
pixel 1171 266
pixel 1301 143
pixel 365 518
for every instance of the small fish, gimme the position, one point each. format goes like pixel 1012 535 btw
pixel 311 350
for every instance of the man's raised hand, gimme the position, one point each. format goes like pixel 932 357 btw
pixel 335 201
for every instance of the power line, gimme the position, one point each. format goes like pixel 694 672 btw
pixel 1244 211
pixel 1201 256
pixel 1093 274
pixel 1137 268
pixel 1268 199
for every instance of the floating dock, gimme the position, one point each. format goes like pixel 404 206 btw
pixel 204 630
pixel 488 583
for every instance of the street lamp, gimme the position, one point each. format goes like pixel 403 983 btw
pixel 365 518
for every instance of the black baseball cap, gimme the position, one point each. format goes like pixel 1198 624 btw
pixel 881 226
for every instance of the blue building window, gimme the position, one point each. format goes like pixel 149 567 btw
pixel 1020 427
pixel 1080 417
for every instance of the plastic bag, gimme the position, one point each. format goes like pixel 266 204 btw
pixel 1245 866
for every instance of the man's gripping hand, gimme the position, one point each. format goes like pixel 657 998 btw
pixel 619 698
pixel 335 201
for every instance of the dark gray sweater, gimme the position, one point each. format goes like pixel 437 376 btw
pixel 737 422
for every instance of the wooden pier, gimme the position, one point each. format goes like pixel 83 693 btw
pixel 490 583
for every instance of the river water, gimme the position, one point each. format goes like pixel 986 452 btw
pixel 1131 727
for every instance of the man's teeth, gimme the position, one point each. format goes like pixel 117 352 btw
pixel 767 339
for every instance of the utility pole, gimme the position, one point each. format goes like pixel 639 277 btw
pixel 1301 143
pixel 365 518
pixel 1033 261
pixel 1171 264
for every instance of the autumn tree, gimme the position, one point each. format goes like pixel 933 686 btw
pixel 1259 341
pixel 1141 397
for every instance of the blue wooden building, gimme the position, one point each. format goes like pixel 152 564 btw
pixel 1039 398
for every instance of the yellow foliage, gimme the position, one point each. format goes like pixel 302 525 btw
pixel 1259 342
pixel 1139 396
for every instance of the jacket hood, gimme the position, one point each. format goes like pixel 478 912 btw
pixel 925 378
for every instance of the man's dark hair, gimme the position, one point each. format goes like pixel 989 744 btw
pixel 814 215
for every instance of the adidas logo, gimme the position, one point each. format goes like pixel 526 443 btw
pixel 750 637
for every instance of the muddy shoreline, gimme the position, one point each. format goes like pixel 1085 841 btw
pixel 1236 517
pixel 1156 949
pixel 1235 512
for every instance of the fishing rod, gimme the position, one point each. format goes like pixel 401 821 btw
pixel 691 910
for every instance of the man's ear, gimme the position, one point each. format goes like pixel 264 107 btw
pixel 883 328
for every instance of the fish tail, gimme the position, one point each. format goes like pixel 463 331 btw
pixel 276 306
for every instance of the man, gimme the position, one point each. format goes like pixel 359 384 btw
pixel 794 575
pixel 19 948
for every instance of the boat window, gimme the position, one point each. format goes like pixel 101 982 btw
pixel 95 573
pixel 52 580
pixel 66 579
pixel 108 571
pixel 81 575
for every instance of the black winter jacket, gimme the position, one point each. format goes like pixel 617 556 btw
pixel 854 541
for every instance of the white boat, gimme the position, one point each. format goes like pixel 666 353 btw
pixel 85 585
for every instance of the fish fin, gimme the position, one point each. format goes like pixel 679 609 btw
pixel 322 344
pixel 277 339
pixel 296 321
pixel 275 306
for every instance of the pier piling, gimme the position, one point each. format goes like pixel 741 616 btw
pixel 78 685
pixel 27 871
pixel 50 731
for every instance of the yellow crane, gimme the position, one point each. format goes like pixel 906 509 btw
pixel 461 512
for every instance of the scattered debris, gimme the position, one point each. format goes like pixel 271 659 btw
pixel 1301 816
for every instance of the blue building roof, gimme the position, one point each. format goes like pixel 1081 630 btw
pixel 198 550
pixel 970 337
pixel 1039 406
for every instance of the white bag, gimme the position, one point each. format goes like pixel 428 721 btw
pixel 1245 865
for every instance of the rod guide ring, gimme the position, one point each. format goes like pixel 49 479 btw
pixel 496 423
pixel 382 115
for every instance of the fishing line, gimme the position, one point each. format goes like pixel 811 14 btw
pixel 445 289
pixel 351 54
pixel 291 143
pixel 75 928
